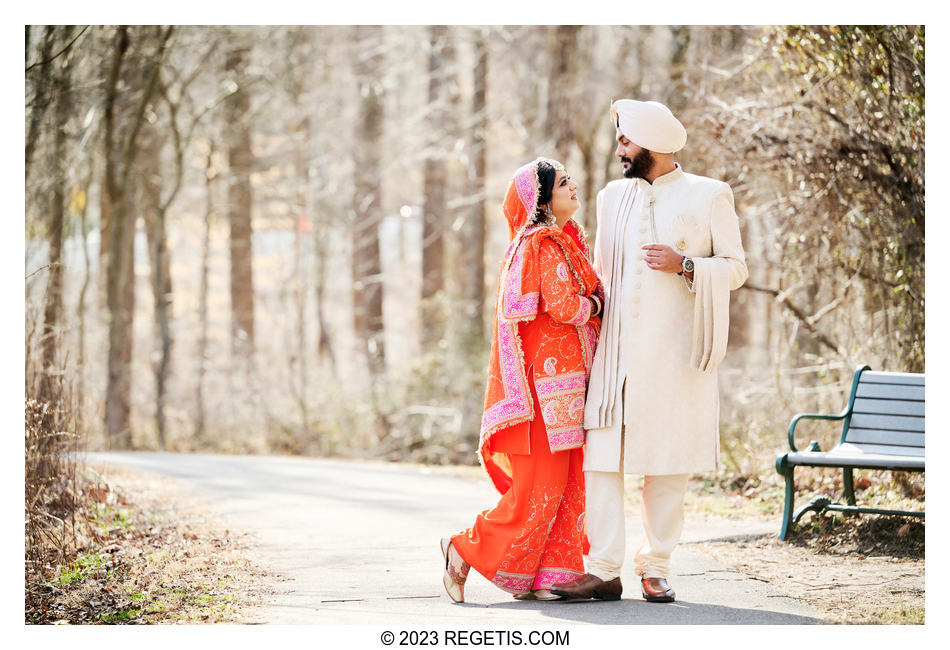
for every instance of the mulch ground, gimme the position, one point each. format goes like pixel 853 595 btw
pixel 853 569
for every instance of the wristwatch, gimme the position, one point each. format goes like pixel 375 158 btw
pixel 688 266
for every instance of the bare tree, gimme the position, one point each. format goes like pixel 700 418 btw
pixel 83 207
pixel 41 96
pixel 564 65
pixel 211 175
pixel 61 99
pixel 297 61
pixel 153 216
pixel 443 99
pixel 121 147
pixel 367 199
pixel 240 160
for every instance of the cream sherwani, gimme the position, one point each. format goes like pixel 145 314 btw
pixel 653 397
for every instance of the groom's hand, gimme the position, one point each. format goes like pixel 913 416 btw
pixel 660 257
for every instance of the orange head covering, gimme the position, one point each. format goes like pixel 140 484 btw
pixel 521 199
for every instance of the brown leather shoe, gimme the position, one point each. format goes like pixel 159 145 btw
pixel 657 590
pixel 589 586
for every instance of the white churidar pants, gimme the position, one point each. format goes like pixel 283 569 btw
pixel 662 512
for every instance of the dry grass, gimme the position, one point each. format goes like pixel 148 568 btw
pixel 150 555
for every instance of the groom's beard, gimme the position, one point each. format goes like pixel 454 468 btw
pixel 640 165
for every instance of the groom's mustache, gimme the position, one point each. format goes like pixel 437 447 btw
pixel 626 160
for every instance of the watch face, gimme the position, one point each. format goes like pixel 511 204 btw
pixel 688 265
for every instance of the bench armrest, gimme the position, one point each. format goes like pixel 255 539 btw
pixel 809 416
pixel 815 416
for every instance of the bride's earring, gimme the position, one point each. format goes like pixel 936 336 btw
pixel 549 219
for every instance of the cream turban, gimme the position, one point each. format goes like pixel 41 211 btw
pixel 650 125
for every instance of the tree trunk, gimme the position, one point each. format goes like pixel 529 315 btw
pixel 41 96
pixel 210 177
pixel 321 249
pixel 105 230
pixel 564 66
pixel 304 221
pixel 120 290
pixel 155 231
pixel 473 251
pixel 53 312
pixel 435 179
pixel 81 307
pixel 121 147
pixel 367 201
pixel 240 158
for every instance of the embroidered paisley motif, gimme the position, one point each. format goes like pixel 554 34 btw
pixel 562 406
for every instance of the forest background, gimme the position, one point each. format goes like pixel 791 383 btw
pixel 286 239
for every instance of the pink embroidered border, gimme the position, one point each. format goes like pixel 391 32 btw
pixel 559 384
pixel 515 583
pixel 549 388
pixel 526 179
pixel 517 404
pixel 583 313
pixel 550 577
pixel 515 305
pixel 567 439
pixel 588 336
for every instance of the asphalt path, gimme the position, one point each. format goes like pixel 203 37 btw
pixel 359 543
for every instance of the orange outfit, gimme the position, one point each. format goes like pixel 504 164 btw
pixel 542 347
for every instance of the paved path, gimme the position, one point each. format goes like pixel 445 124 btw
pixel 359 542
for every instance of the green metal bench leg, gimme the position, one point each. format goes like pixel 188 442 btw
pixel 789 472
pixel 816 505
pixel 849 485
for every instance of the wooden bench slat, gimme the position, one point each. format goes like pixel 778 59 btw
pixel 890 391
pixel 892 377
pixel 888 406
pixel 879 437
pixel 848 448
pixel 892 422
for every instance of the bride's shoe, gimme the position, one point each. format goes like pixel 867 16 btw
pixel 538 594
pixel 452 578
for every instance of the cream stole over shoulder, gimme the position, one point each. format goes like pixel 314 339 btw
pixel 616 205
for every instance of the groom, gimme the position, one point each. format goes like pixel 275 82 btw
pixel 668 252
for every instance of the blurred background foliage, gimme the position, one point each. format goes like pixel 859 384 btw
pixel 287 239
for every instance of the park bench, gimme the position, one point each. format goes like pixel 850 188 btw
pixel 883 428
